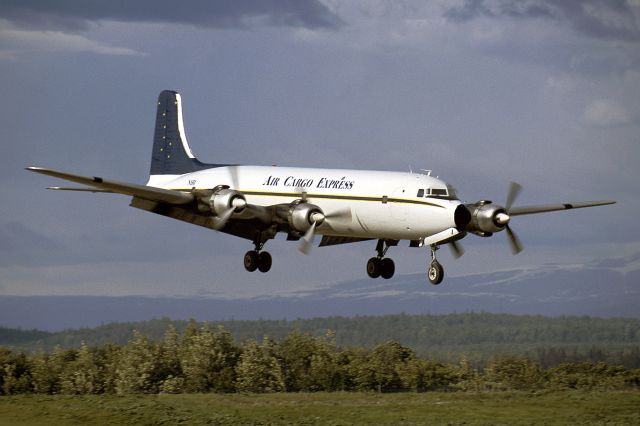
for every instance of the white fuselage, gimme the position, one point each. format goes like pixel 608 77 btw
pixel 382 204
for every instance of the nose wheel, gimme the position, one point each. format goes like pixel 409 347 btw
pixel 435 271
pixel 257 259
pixel 381 266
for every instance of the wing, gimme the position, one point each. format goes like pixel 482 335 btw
pixel 520 211
pixel 111 186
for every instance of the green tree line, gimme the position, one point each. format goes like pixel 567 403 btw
pixel 550 341
pixel 209 359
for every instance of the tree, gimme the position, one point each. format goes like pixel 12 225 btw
pixel 381 369
pixel 258 369
pixel 209 361
pixel 81 376
pixel 305 362
pixel 512 372
pixel 421 375
pixel 588 375
pixel 45 371
pixel 467 378
pixel 15 375
pixel 170 369
pixel 137 366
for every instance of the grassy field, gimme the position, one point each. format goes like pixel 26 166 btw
pixel 507 408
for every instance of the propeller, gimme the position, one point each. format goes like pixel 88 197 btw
pixel 233 175
pixel 514 191
pixel 488 218
pixel 317 218
pixel 504 218
pixel 307 240
pixel 456 249
pixel 221 221
pixel 514 241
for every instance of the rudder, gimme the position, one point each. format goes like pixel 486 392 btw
pixel 171 153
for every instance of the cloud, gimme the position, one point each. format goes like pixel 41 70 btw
pixel 13 41
pixel 76 15
pixel 605 113
pixel 605 19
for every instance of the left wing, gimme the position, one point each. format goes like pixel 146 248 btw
pixel 111 186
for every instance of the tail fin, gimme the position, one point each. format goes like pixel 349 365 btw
pixel 171 154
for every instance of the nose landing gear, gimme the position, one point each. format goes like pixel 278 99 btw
pixel 435 271
pixel 381 266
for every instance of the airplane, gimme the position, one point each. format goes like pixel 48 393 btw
pixel 344 206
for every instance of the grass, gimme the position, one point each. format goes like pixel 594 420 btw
pixel 499 408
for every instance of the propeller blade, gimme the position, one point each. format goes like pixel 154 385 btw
pixel 339 214
pixel 307 241
pixel 221 221
pixel 514 241
pixel 233 174
pixel 302 191
pixel 456 249
pixel 514 190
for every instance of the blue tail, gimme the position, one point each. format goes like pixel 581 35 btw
pixel 171 154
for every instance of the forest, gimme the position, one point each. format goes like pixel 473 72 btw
pixel 478 337
pixel 202 358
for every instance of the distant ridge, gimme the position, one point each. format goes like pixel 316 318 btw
pixel 608 289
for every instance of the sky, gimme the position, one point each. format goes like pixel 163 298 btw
pixel 544 93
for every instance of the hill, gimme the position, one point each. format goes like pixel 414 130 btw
pixel 605 289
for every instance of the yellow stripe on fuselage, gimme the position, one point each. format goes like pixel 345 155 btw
pixel 333 197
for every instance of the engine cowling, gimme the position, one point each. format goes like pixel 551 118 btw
pixel 301 216
pixel 224 199
pixel 486 218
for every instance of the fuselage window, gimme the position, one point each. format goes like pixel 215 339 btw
pixel 420 193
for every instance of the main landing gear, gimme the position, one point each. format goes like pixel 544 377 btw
pixel 381 266
pixel 256 259
pixel 435 271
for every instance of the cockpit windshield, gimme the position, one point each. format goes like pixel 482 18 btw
pixel 448 193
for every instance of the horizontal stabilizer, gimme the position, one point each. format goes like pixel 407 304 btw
pixel 104 185
pixel 59 188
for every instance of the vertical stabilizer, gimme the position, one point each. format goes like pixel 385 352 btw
pixel 171 154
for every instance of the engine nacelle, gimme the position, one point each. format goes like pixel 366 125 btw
pixel 302 215
pixel 486 218
pixel 224 199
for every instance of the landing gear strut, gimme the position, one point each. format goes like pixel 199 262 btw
pixel 435 272
pixel 381 266
pixel 256 259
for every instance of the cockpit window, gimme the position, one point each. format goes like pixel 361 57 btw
pixel 420 193
pixel 447 193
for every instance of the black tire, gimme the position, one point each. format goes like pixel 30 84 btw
pixel 373 267
pixel 264 261
pixel 251 260
pixel 388 268
pixel 435 273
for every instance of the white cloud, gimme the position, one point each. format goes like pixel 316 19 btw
pixel 605 113
pixel 13 42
